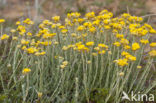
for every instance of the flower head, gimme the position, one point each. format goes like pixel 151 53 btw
pixel 116 44
pixel 122 62
pixel 39 94
pixel 153 44
pixel 26 70
pixel 2 20
pixel 143 41
pixel 135 46
pixel 56 18
pixel 121 74
pixel 4 36
pixel 91 43
pixel 139 67
pixel 152 53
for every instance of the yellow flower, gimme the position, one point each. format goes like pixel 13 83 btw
pixel 53 26
pixel 97 48
pixel 24 42
pixel 124 41
pixel 80 20
pixel 94 54
pixel 48 35
pixel 102 52
pixel 26 70
pixel 46 43
pixel 21 29
pixel 148 26
pixel 84 35
pixel 116 44
pixel 142 32
pixel 65 63
pixel 71 46
pixel 124 53
pixel 56 18
pixel 80 28
pixel 31 50
pixel 152 31
pixel 96 22
pixel 92 29
pixel 106 22
pixel 87 24
pixel 18 22
pixel 130 57
pixel 62 66
pixel 29 34
pixel 2 20
pixel 135 46
pixel 90 15
pixel 125 15
pixel 88 62
pixel 121 74
pixel 139 67
pixel 119 35
pixel 121 62
pixel 91 43
pixel 56 42
pixel 73 14
pixel 28 21
pixel 64 30
pixel 152 53
pixel 103 46
pixel 143 41
pixel 40 53
pixel 18 46
pixel 153 44
pixel 73 35
pixel 107 27
pixel 64 48
pixel 127 47
pixel 101 31
pixel 61 27
pixel 39 94
pixel 24 47
pixel 74 20
pixel 82 48
pixel 115 31
pixel 12 30
pixel 4 36
pixel 47 22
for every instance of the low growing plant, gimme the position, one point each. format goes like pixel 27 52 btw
pixel 54 62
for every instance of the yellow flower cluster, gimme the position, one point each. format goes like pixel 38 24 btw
pixel 152 53
pixel 2 20
pixel 4 36
pixel 28 21
pixel 89 48
pixel 135 46
pixel 26 70
pixel 90 34
pixel 90 43
pixel 64 64
pixel 121 62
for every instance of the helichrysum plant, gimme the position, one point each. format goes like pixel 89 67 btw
pixel 54 62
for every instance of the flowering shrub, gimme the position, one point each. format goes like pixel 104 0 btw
pixel 60 63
